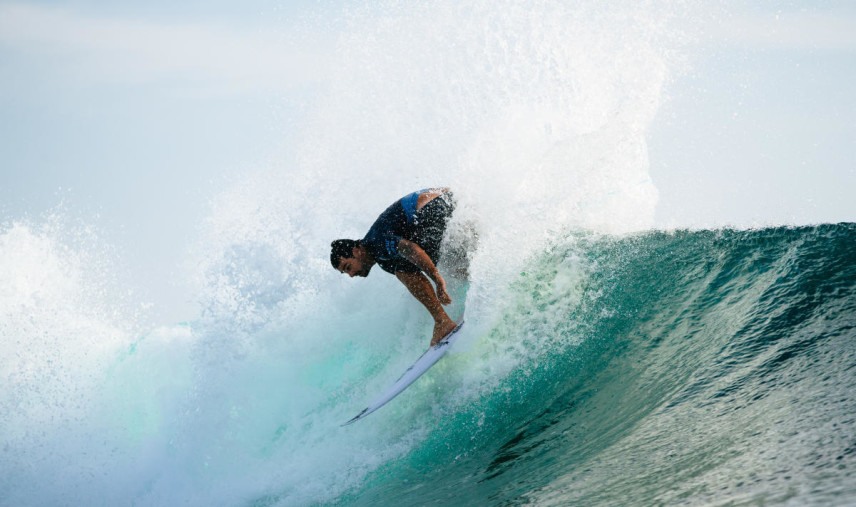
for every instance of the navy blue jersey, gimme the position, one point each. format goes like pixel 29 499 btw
pixel 401 221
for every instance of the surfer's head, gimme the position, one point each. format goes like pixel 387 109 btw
pixel 349 257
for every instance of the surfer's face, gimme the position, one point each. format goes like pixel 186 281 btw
pixel 352 267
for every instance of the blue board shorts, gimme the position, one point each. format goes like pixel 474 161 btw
pixel 430 225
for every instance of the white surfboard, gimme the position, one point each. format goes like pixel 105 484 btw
pixel 425 361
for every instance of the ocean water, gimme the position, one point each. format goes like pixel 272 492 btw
pixel 708 367
pixel 603 362
pixel 685 367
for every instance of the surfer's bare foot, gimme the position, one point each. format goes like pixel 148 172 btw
pixel 441 329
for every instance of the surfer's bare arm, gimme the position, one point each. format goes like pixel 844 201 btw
pixel 419 285
pixel 415 254
pixel 429 195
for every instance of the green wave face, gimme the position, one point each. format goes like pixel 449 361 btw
pixel 707 366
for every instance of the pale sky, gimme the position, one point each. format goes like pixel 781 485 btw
pixel 134 111
pixel 761 129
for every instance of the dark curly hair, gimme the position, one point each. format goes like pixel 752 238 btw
pixel 342 248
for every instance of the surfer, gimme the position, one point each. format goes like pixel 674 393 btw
pixel 405 241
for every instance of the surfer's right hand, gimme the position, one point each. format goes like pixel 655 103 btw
pixel 442 295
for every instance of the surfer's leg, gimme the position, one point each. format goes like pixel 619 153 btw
pixel 459 244
pixel 421 288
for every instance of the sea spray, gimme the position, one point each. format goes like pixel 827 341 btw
pixel 65 310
